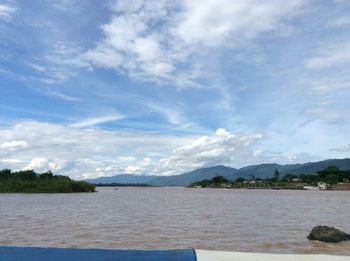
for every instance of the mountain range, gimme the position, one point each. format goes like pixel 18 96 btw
pixel 258 171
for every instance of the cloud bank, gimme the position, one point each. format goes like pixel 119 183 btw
pixel 83 152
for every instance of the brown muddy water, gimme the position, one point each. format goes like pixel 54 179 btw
pixel 167 218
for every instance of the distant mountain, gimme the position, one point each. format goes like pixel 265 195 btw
pixel 258 171
pixel 313 167
pixel 267 170
pixel 123 179
pixel 193 176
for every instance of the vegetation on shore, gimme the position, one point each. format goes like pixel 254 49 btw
pixel 331 175
pixel 28 181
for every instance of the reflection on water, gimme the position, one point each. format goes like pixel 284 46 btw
pixel 234 220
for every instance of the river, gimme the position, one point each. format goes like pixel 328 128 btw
pixel 273 221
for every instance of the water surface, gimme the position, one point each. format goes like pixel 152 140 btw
pixel 163 218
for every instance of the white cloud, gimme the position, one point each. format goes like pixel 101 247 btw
pixel 213 23
pixel 165 41
pixel 44 164
pixel 14 145
pixel 6 11
pixel 162 41
pixel 221 148
pixel 98 120
pixel 78 152
pixel 130 169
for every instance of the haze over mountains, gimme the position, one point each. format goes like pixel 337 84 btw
pixel 258 171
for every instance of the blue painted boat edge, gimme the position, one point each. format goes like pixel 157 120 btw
pixel 14 253
pixel 195 254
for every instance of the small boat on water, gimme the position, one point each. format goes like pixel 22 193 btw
pixel 311 188
pixel 71 254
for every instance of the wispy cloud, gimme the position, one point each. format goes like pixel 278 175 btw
pixel 66 5
pixel 342 21
pixel 343 148
pixel 327 115
pixel 330 55
pixel 6 11
pixel 63 96
pixel 98 120
pixel 14 145
pixel 172 115
pixel 329 84
pixel 60 63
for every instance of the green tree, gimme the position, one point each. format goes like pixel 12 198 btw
pixel 5 174
pixel 289 177
pixel 46 175
pixel 240 179
pixel 276 175
pixel 219 179
pixel 330 170
pixel 331 179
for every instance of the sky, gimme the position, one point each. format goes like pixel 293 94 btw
pixel 160 87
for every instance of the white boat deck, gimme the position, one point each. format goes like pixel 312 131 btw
pixel 208 255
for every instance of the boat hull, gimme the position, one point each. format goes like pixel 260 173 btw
pixel 72 254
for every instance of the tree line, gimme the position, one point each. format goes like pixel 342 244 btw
pixel 30 181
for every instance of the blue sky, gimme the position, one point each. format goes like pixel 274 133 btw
pixel 96 88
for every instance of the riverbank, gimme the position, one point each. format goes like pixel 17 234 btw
pixel 331 178
pixel 274 186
